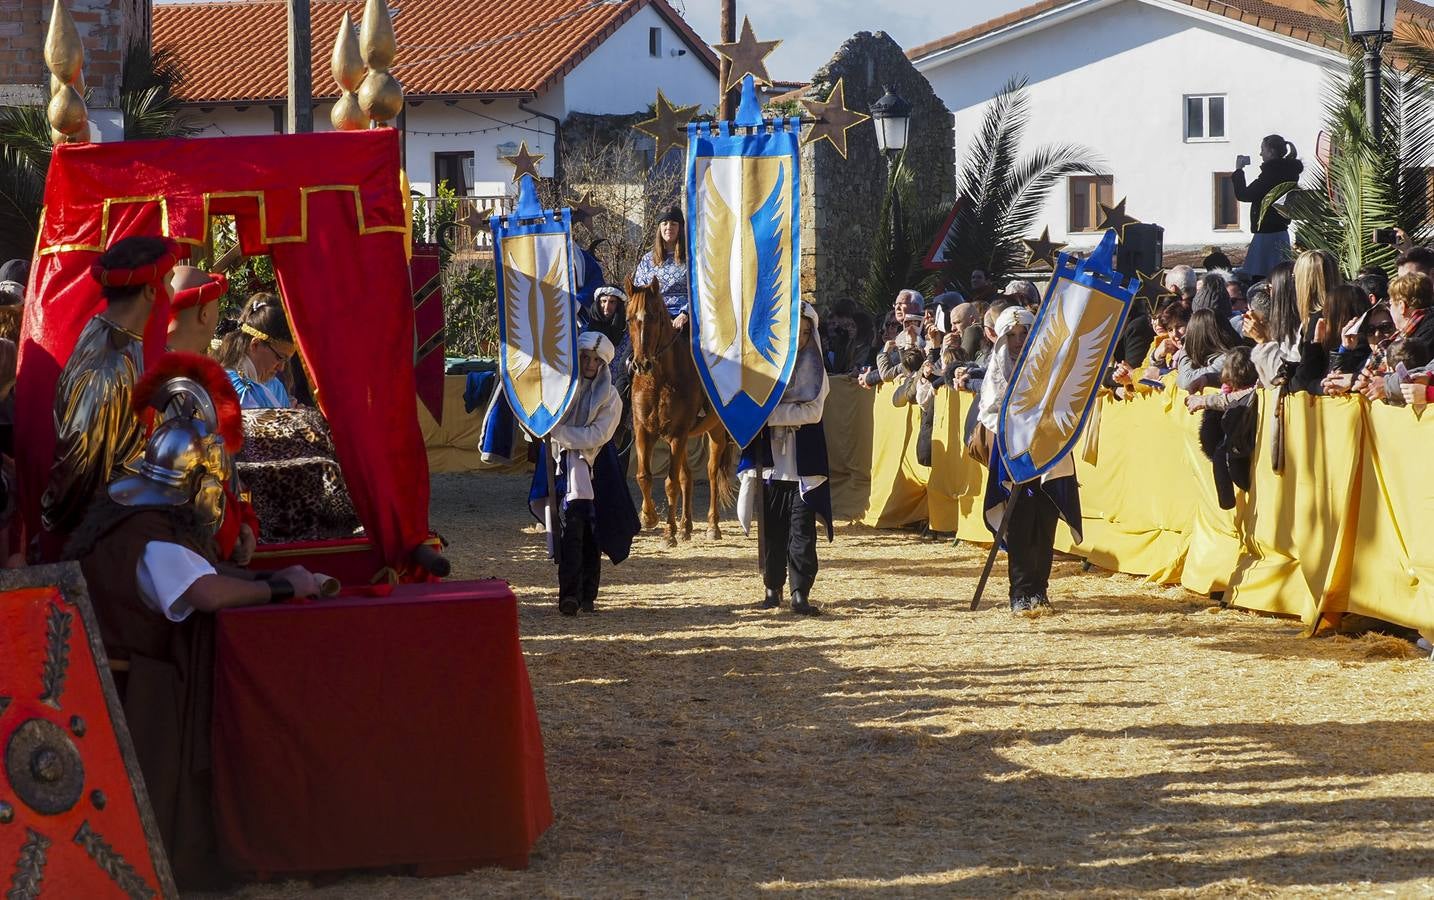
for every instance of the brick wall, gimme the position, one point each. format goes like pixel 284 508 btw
pixel 842 198
pixel 109 28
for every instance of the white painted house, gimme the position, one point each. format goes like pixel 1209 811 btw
pixel 479 76
pixel 1167 92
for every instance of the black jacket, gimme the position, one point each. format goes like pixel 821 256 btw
pixel 1276 171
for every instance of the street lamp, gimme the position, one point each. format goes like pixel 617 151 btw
pixel 892 117
pixel 1371 22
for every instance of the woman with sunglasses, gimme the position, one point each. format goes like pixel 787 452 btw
pixel 257 353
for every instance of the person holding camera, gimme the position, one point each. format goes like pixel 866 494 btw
pixel 1279 164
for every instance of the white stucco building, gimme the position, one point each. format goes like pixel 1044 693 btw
pixel 479 76
pixel 1167 92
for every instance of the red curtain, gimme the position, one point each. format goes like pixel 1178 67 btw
pixel 360 354
pixel 303 197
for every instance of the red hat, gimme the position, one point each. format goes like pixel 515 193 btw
pixel 208 292
pixel 150 273
pixel 210 376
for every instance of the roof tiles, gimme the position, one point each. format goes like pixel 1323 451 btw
pixel 236 51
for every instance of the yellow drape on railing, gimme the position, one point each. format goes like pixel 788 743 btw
pixel 1343 529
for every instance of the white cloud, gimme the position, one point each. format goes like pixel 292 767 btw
pixel 812 30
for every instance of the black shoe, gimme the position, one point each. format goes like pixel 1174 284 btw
pixel 1020 605
pixel 586 606
pixel 567 606
pixel 801 607
pixel 772 600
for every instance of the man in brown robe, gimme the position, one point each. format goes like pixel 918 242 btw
pixel 148 559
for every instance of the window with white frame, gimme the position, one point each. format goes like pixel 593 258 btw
pixel 1205 117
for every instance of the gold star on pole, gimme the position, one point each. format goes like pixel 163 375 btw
pixel 1116 218
pixel 747 56
pixel 668 127
pixel 525 163
pixel 1152 288
pixel 585 210
pixel 833 119
pixel 1043 249
pixel 477 219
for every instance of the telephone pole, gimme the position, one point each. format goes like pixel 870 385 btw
pixel 300 118
pixel 725 109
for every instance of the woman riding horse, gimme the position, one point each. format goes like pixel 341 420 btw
pixel 668 402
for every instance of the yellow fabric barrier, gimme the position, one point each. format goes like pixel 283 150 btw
pixel 1354 483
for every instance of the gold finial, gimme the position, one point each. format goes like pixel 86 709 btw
pixel 347 67
pixel 380 95
pixel 65 58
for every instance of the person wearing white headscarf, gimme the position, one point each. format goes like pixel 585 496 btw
pixel 1031 533
pixel 790 454
pixel 597 515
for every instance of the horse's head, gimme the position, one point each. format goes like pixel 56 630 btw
pixel 647 324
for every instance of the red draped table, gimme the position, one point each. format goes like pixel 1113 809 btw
pixel 366 732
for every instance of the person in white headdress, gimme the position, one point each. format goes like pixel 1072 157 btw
pixel 595 509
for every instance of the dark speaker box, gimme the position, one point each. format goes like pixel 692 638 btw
pixel 1141 249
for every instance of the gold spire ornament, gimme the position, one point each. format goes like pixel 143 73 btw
pixel 747 56
pixel 524 163
pixel 380 95
pixel 668 126
pixel 65 58
pixel 834 120
pixel 347 67
pixel 1043 249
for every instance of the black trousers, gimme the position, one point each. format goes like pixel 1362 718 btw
pixel 789 533
pixel 579 560
pixel 1030 543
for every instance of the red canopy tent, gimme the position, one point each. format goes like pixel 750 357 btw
pixel 328 208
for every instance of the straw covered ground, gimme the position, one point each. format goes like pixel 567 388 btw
pixel 1136 743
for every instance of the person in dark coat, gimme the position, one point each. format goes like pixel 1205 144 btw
pixel 1270 245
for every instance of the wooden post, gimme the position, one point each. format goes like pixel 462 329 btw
pixel 300 119
pixel 725 107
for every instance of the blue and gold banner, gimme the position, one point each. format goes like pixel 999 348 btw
pixel 744 193
pixel 1064 361
pixel 533 258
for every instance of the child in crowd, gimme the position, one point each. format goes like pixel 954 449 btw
pixel 594 505
pixel 1227 429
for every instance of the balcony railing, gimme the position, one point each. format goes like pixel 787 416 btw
pixel 430 214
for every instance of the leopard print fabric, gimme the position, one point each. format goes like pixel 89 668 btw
pixel 296 486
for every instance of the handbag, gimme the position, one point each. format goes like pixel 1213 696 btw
pixel 980 444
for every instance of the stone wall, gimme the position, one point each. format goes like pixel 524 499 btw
pixel 842 198
pixel 108 27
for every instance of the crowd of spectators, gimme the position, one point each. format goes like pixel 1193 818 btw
pixel 1307 327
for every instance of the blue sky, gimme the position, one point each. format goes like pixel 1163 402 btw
pixel 812 30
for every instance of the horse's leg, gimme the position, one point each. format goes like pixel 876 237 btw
pixel 684 482
pixel 716 481
pixel 642 440
pixel 675 459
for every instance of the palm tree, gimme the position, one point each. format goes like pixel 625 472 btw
pixel 151 109
pixel 1370 183
pixel 1001 194
pixel 897 255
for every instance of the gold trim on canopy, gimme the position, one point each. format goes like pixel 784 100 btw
pixel 259 196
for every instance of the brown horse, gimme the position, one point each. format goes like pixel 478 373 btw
pixel 667 402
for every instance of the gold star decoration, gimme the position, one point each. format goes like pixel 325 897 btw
pixel 1116 218
pixel 747 56
pixel 668 127
pixel 525 163
pixel 833 119
pixel 1043 249
pixel 585 210
pixel 1152 288
pixel 477 219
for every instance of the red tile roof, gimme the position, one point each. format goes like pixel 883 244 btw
pixel 1304 20
pixel 235 51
